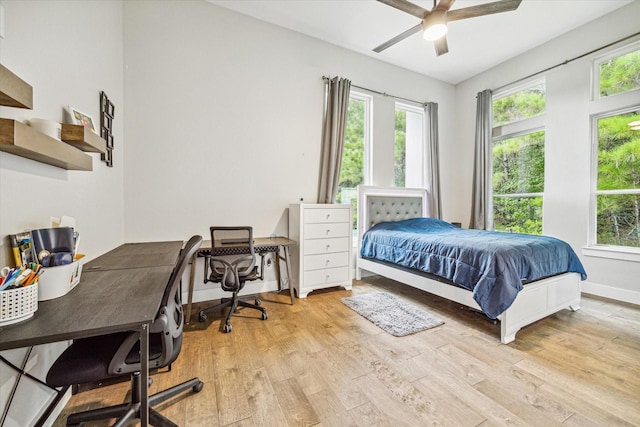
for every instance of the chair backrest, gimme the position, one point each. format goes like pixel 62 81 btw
pixel 232 240
pixel 166 330
pixel 172 298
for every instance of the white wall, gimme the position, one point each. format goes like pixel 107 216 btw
pixel 224 116
pixel 68 51
pixel 567 143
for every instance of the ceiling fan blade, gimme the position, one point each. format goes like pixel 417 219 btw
pixel 441 46
pixel 444 4
pixel 405 6
pixel 398 38
pixel 483 9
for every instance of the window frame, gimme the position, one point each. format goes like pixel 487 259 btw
pixel 602 107
pixel 515 129
pixel 627 253
pixel 423 155
pixel 595 72
pixel 367 174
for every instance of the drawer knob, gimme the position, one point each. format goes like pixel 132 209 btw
pixel 328 246
pixel 328 231
pixel 326 262
pixel 328 215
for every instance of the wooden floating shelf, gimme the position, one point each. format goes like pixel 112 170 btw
pixel 14 92
pixel 20 139
pixel 83 138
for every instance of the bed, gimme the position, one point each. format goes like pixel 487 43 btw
pixel 387 208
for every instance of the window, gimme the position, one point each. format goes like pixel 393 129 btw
pixel 354 169
pixel 409 143
pixel 618 72
pixel 518 158
pixel 614 230
pixel 617 190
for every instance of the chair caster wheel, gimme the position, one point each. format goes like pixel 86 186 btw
pixel 264 315
pixel 198 387
pixel 227 328
pixel 258 302
pixel 202 317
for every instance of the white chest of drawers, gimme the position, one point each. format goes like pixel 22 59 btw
pixel 322 257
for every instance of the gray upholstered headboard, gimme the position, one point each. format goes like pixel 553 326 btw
pixel 389 209
pixel 380 204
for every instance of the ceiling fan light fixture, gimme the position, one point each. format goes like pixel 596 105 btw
pixel 435 25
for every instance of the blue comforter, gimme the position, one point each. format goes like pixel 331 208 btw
pixel 491 264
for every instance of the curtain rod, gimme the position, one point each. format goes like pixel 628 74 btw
pixel 567 61
pixel 382 93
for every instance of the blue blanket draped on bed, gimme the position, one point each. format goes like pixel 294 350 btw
pixel 491 264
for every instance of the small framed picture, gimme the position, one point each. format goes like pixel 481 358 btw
pixel 80 118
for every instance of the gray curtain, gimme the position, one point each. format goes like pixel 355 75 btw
pixel 335 119
pixel 481 204
pixel 433 166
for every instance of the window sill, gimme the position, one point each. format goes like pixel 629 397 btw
pixel 612 252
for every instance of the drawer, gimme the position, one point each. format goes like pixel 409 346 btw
pixel 321 231
pixel 326 276
pixel 325 246
pixel 326 215
pixel 317 262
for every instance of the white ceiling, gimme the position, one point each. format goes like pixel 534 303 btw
pixel 475 44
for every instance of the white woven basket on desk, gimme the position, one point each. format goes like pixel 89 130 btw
pixel 18 304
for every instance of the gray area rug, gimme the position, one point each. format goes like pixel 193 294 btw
pixel 391 314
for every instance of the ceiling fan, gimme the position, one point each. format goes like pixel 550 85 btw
pixel 434 21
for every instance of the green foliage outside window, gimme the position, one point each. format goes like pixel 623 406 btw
pixel 618 215
pixel 352 167
pixel 400 149
pixel 620 74
pixel 520 105
pixel 518 169
pixel 518 214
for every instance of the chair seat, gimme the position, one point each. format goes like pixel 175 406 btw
pixel 87 360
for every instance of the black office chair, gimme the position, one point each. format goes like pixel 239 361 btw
pixel 232 275
pixel 102 357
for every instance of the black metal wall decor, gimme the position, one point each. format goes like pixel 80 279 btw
pixel 107 112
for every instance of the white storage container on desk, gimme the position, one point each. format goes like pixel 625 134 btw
pixel 58 281
pixel 18 304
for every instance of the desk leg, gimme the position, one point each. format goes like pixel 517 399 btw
pixel 276 260
pixel 192 279
pixel 144 375
pixel 287 258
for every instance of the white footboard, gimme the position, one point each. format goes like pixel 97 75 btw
pixel 538 300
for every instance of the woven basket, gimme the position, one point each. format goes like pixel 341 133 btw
pixel 18 304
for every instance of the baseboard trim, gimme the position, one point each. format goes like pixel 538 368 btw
pixel 618 294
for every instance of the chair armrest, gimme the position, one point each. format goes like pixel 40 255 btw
pixel 118 364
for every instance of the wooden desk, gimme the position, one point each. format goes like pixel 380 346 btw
pixel 260 244
pixel 135 255
pixel 118 298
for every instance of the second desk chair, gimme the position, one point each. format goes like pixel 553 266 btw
pixel 232 275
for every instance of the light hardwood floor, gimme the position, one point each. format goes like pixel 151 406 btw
pixel 320 363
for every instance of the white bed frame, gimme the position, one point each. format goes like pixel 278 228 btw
pixel 537 300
